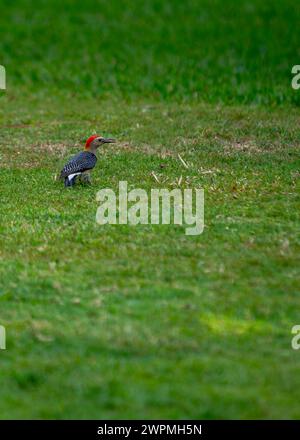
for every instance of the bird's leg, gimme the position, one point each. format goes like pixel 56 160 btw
pixel 86 178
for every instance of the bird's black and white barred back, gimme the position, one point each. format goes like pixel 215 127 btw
pixel 80 163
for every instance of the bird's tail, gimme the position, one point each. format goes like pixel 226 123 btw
pixel 70 180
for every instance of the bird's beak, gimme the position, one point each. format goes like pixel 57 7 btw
pixel 108 140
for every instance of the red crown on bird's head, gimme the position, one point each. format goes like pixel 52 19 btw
pixel 90 140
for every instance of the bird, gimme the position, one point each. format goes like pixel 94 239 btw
pixel 79 166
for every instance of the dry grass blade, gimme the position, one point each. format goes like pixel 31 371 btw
pixel 155 177
pixel 183 162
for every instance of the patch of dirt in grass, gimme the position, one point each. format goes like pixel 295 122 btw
pixel 17 161
pixel 31 156
pixel 144 148
pixel 187 142
pixel 17 125
pixel 251 147
pixel 58 149
pixel 243 147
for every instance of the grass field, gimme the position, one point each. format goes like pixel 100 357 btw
pixel 146 322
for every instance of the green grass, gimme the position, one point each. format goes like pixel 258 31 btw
pixel 214 50
pixel 146 322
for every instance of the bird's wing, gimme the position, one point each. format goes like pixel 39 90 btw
pixel 78 164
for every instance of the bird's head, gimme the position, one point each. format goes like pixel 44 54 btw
pixel 95 141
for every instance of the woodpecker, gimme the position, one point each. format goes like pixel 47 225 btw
pixel 81 164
